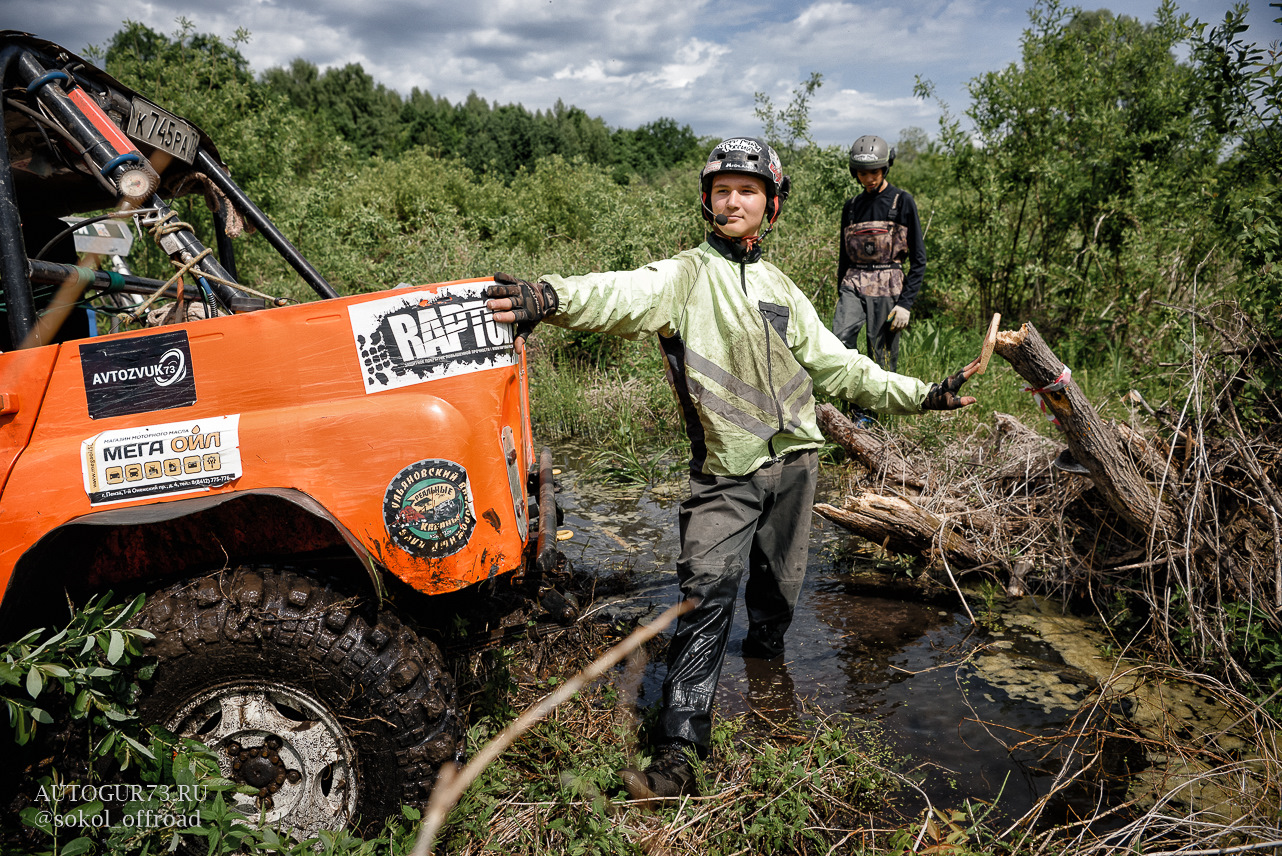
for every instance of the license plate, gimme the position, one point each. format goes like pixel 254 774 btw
pixel 162 130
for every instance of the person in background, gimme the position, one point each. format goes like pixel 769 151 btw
pixel 744 350
pixel 880 229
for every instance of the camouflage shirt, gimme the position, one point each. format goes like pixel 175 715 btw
pixel 879 231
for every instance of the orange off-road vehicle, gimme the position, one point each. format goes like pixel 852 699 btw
pixel 269 471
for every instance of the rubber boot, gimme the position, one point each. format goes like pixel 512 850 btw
pixel 669 775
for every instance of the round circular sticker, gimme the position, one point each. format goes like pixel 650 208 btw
pixel 428 509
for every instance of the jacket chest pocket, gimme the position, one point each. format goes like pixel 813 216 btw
pixel 777 316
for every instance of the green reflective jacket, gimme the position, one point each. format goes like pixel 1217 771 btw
pixel 744 350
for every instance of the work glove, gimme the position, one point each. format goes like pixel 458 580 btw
pixel 943 396
pixel 531 302
pixel 899 318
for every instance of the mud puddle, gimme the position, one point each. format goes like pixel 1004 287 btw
pixel 950 696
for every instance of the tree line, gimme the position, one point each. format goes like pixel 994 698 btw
pixel 487 136
pixel 373 120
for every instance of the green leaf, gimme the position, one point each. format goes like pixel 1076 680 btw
pixel 81 704
pixel 83 844
pixel 116 649
pixel 41 716
pixel 218 784
pixel 138 747
pixel 57 637
pixel 82 812
pixel 31 817
pixel 35 682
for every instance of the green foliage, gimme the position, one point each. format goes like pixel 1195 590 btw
pixel 1257 645
pixel 489 138
pixel 788 129
pixel 623 403
pixel 766 795
pixel 345 101
pixel 1242 92
pixel 1080 199
pixel 81 667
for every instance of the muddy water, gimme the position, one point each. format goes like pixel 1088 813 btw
pixel 941 691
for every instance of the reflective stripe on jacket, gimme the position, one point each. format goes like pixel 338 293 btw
pixel 744 349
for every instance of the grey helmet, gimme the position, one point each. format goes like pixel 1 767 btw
pixel 871 152
pixel 750 156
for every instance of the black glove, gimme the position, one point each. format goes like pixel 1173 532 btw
pixel 531 302
pixel 943 396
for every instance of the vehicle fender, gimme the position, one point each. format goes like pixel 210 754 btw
pixel 24 378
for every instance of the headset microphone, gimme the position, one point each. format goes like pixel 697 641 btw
pixel 721 219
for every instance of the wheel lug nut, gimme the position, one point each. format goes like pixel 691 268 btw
pixel 232 748
pixel 295 777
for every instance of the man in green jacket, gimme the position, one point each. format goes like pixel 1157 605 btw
pixel 744 350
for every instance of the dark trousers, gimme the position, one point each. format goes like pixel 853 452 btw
pixel 760 522
pixel 857 312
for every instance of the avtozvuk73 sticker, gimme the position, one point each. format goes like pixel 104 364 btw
pixel 138 375
pixel 420 335
pixel 158 460
pixel 428 509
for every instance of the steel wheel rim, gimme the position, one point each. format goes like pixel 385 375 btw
pixel 261 733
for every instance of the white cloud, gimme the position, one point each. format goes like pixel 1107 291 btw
pixel 697 61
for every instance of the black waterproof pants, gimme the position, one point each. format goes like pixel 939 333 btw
pixel 857 312
pixel 760 522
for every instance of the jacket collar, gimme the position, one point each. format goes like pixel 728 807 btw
pixel 735 251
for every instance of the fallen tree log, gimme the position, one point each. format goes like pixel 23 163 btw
pixel 902 526
pixel 881 459
pixel 1095 444
pixel 1119 462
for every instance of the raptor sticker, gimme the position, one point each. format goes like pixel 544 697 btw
pixel 161 460
pixel 138 375
pixel 428 509
pixel 420 335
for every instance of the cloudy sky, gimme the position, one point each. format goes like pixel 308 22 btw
pixel 697 61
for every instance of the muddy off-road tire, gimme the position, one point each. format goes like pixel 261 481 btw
pixel 336 711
